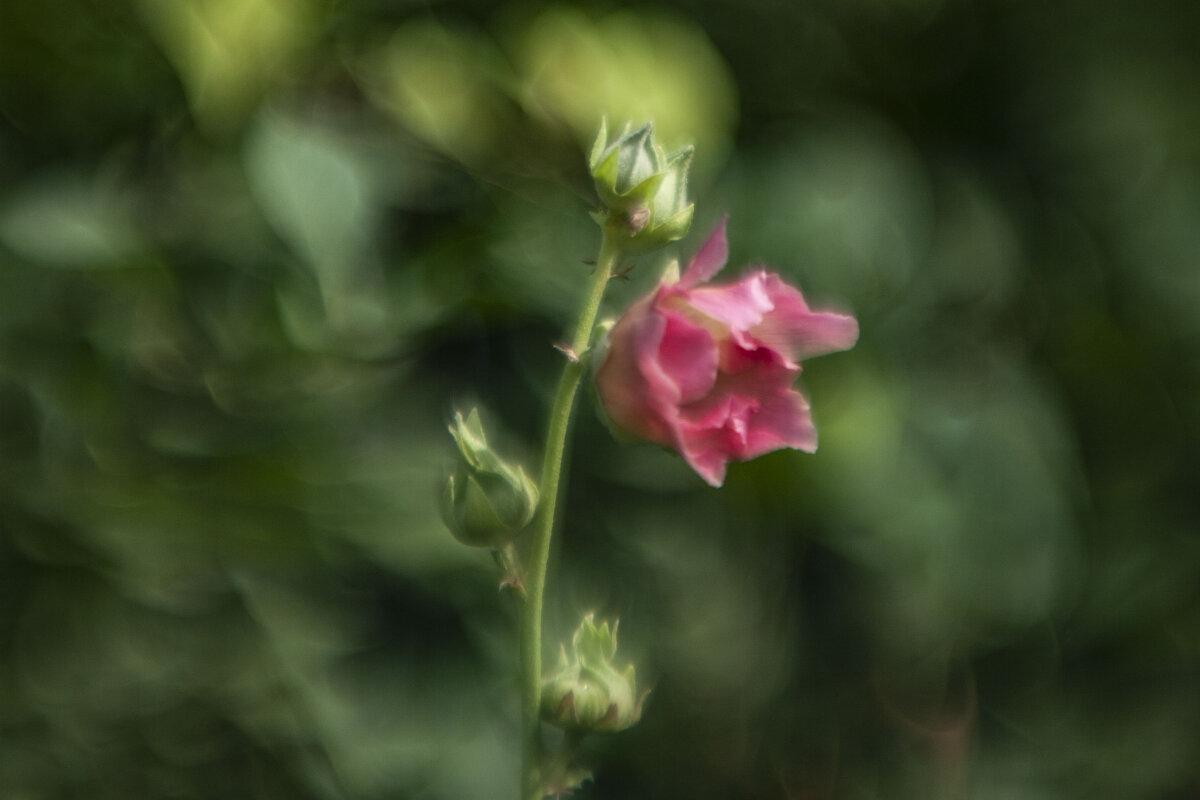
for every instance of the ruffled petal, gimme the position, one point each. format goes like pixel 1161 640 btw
pixel 764 366
pixel 637 395
pixel 709 259
pixel 688 354
pixel 740 306
pixel 783 420
pixel 714 433
pixel 747 414
pixel 797 332
pixel 708 462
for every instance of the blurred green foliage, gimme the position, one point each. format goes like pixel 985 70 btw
pixel 253 253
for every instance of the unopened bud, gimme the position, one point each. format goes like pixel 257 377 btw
pixel 588 692
pixel 644 191
pixel 487 501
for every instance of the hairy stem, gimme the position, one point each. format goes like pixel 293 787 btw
pixel 543 530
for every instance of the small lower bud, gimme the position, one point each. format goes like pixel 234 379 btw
pixel 588 692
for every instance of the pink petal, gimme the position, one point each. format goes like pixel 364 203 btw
pixel 688 354
pixel 783 420
pixel 709 259
pixel 740 306
pixel 709 441
pixel 740 428
pixel 716 431
pixel 795 331
pixel 725 408
pixel 746 415
pixel 756 366
pixel 709 464
pixel 635 393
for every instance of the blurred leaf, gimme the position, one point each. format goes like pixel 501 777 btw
pixel 228 52
pixel 632 65
pixel 844 206
pixel 446 84
pixel 320 195
pixel 62 220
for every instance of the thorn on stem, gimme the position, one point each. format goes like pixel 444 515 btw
pixel 623 274
pixel 512 582
pixel 506 559
pixel 569 352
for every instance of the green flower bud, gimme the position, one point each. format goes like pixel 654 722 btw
pixel 644 191
pixel 588 692
pixel 487 501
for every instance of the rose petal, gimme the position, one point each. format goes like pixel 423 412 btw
pixel 745 416
pixel 688 354
pixel 714 433
pixel 766 366
pixel 634 392
pixel 708 462
pixel 797 332
pixel 740 306
pixel 709 259
pixel 783 420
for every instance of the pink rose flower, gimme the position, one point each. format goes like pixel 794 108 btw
pixel 708 370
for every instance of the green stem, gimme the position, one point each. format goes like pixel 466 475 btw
pixel 539 553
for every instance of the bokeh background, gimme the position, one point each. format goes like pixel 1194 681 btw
pixel 253 253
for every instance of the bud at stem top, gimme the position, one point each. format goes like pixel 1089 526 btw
pixel 643 190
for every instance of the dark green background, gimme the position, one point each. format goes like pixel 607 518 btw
pixel 253 253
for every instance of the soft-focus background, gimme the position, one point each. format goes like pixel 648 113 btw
pixel 253 253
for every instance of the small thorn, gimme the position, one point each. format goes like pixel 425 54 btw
pixel 506 559
pixel 570 353
pixel 591 262
pixel 512 582
pixel 623 274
